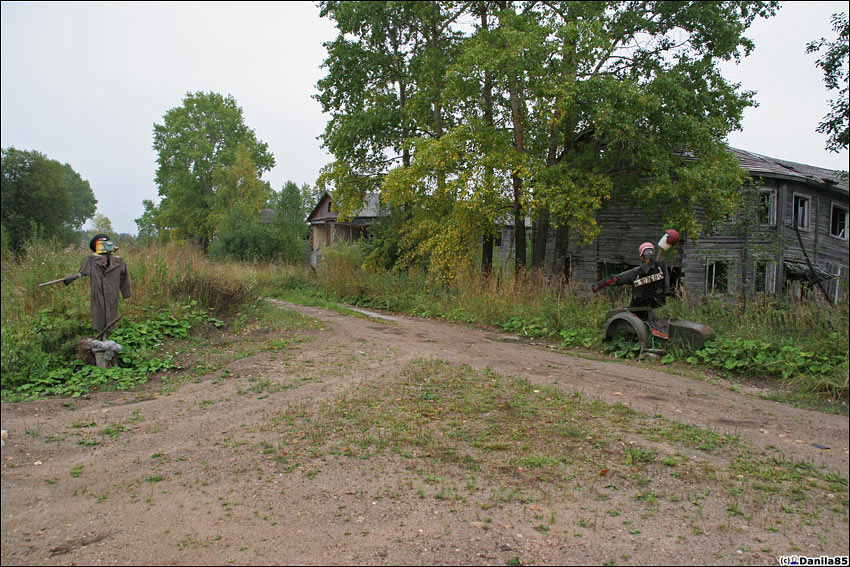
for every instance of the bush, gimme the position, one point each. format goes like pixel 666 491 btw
pixel 244 237
pixel 248 240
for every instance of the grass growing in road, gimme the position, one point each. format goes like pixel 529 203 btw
pixel 530 444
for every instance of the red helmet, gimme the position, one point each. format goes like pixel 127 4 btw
pixel 646 246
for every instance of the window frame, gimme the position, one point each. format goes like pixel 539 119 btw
pixel 711 274
pixel 771 205
pixel 764 275
pixel 834 205
pixel 795 220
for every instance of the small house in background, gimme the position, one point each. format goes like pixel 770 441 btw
pixel 326 230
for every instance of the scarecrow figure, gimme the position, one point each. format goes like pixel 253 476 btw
pixel 650 281
pixel 108 275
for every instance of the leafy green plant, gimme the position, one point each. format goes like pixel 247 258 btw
pixel 62 374
pixel 582 337
pixel 756 357
pixel 623 345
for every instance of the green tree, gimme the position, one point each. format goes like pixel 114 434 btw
pixel 36 197
pixel 628 101
pixel 290 226
pixel 834 63
pixel 547 109
pixel 367 93
pixel 83 203
pixel 148 229
pixel 195 144
pixel 246 235
pixel 237 186
pixel 101 224
pixel 384 89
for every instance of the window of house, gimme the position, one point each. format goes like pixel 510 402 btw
pixel 801 211
pixel 767 206
pixel 763 278
pixel 760 278
pixel 717 277
pixel 835 284
pixel 838 222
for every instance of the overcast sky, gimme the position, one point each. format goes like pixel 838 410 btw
pixel 84 83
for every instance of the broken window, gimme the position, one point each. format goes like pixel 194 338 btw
pixel 764 278
pixel 838 222
pixel 801 212
pixel 767 206
pixel 834 286
pixel 717 277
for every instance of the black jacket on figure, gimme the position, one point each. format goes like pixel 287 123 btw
pixel 650 283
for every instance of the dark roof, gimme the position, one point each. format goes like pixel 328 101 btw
pixel 371 207
pixel 772 167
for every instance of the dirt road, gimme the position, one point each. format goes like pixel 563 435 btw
pixel 230 468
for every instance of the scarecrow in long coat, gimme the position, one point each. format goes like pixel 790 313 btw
pixel 108 275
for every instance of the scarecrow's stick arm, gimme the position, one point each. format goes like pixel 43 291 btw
pixel 59 280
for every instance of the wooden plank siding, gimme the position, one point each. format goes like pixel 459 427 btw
pixel 754 251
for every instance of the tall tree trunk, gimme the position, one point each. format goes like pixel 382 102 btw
pixel 540 236
pixel 487 255
pixel 402 99
pixel 562 240
pixel 519 227
pixel 487 95
pixel 538 251
pixel 519 144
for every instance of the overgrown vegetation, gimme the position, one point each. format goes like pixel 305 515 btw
pixel 175 290
pixel 802 345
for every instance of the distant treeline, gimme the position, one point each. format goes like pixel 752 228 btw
pixel 42 198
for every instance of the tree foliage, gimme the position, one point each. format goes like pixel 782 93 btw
pixel 41 197
pixel 238 188
pixel 83 203
pixel 148 230
pixel 834 63
pixel 197 145
pixel 245 234
pixel 470 115
pixel 291 205
pixel 101 224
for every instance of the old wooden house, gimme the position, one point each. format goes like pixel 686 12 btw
pixel 791 238
pixel 325 228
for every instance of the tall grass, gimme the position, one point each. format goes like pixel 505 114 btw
pixel 159 277
pixel 41 325
pixel 811 338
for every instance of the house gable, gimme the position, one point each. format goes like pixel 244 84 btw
pixel 322 210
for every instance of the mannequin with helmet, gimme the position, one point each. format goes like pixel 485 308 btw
pixel 109 276
pixel 650 280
